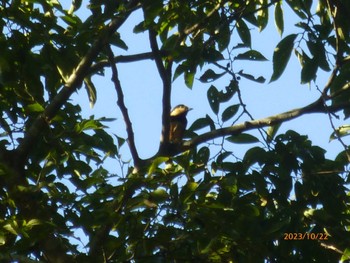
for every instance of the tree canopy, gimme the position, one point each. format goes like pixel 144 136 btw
pixel 283 200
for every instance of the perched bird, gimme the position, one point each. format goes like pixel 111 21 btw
pixel 178 123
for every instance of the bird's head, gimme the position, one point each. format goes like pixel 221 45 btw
pixel 180 110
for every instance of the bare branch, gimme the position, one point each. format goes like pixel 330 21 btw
pixel 123 108
pixel 165 74
pixel 120 59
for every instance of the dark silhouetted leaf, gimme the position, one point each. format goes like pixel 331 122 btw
pixel 210 75
pixel 242 138
pixel 229 112
pixel 213 99
pixel 251 55
pixel 281 56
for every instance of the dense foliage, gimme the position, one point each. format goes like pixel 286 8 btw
pixel 283 201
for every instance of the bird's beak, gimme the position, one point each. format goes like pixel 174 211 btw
pixel 189 109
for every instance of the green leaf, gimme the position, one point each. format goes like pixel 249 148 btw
pixel 178 71
pixel 212 55
pixel 33 222
pixel 346 255
pixel 155 164
pixel 87 125
pixel 118 42
pixel 202 155
pixel 229 112
pixel 139 28
pixel 272 131
pixel 202 123
pixel 71 20
pixel 209 76
pixel 35 107
pixel 318 51
pixel 91 91
pixel 281 55
pixel 12 227
pixel 279 21
pixel 188 191
pixel 244 33
pixel 213 99
pixel 222 156
pixel 242 138
pixel 260 79
pixel 262 15
pixel 251 55
pixel 340 132
pixel 254 155
pixel 298 8
pixel 189 78
pixel 309 70
pixel 159 195
pixel 171 43
pixel 120 141
pixel 340 82
pixel 225 36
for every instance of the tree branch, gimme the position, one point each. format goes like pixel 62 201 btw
pixel 124 110
pixel 120 59
pixel 165 74
pixel 74 82
pixel 315 107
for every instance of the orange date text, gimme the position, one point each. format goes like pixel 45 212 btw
pixel 305 236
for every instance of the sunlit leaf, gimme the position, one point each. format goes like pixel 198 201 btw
pixel 159 195
pixel 262 15
pixel 33 222
pixel 189 78
pixel 279 19
pixel 155 164
pixel 340 132
pixel 346 255
pixel 36 107
pixel 87 125
pixel 91 91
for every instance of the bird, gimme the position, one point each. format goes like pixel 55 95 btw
pixel 178 123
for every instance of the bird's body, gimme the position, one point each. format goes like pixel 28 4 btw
pixel 178 123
